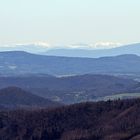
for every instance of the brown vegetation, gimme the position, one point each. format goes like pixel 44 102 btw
pixel 111 120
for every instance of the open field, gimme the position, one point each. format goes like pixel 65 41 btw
pixel 119 96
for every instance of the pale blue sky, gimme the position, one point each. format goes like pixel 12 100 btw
pixel 69 21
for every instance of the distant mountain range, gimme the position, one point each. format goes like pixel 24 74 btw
pixel 21 63
pixel 16 98
pixel 94 53
pixel 72 89
pixel 79 50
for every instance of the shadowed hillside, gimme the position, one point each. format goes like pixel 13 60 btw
pixel 15 98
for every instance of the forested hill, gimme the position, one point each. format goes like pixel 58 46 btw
pixel 111 120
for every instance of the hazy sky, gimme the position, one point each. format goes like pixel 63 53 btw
pixel 69 21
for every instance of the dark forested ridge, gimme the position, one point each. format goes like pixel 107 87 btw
pixel 72 89
pixel 17 98
pixel 111 120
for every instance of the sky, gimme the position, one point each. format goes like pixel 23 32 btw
pixel 69 21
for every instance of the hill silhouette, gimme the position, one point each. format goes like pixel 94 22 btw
pixel 22 63
pixel 16 98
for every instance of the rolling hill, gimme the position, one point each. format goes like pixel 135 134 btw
pixel 21 63
pixel 111 120
pixel 72 89
pixel 16 98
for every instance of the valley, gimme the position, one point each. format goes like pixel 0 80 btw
pixel 72 89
